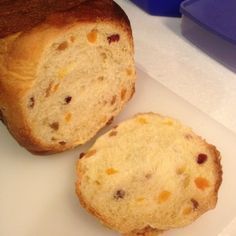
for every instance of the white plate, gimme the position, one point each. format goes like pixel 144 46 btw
pixel 37 196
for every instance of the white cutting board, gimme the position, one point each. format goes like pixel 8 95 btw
pixel 37 196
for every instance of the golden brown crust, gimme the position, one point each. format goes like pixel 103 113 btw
pixel 20 53
pixel 147 231
pixel 219 171
pixel 85 205
pixel 18 16
pixel 22 15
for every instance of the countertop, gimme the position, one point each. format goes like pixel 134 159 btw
pixel 163 53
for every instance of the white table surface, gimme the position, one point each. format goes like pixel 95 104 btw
pixel 168 57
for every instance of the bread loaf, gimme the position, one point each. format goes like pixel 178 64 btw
pixel 149 173
pixel 63 79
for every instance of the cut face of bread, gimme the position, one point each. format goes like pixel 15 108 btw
pixel 69 80
pixel 85 80
pixel 150 172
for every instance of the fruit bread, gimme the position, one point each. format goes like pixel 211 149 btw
pixel 149 174
pixel 66 69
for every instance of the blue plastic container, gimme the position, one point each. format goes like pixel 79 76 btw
pixel 211 26
pixel 160 7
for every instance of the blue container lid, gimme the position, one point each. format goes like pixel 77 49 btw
pixel 217 16
pixel 160 7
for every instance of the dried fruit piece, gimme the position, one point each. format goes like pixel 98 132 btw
pixel 97 182
pixel 113 100
pixel 64 45
pixel 48 90
pixel 180 170
pixel 188 136
pixel 72 39
pixel 113 133
pixel 113 38
pixel 122 94
pixel 101 78
pixel 195 203
pixel 187 210
pixel 68 99
pixel 54 126
pixel 91 153
pixel 31 102
pixel 55 88
pixel 104 56
pixel 92 36
pixel 142 120
pixel 110 121
pixel 148 176
pixel 81 155
pixel 140 199
pixel 119 194
pixel 164 196
pixel 186 180
pixel 66 70
pixel 129 71
pixel 62 143
pixel 111 171
pixel 68 117
pixel 202 158
pixel 202 183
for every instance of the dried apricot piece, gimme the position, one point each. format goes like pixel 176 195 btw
pixel 202 183
pixel 129 71
pixel 111 171
pixel 187 210
pixel 68 117
pixel 55 87
pixel 92 36
pixel 164 196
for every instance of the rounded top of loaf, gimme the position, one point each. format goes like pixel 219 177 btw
pixel 23 15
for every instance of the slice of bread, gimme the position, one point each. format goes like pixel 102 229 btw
pixel 149 173
pixel 64 79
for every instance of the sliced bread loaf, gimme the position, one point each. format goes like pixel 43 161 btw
pixel 62 80
pixel 149 173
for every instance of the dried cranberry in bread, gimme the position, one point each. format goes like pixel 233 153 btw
pixel 64 78
pixel 150 173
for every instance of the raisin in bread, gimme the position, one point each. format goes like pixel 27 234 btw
pixel 62 80
pixel 149 173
